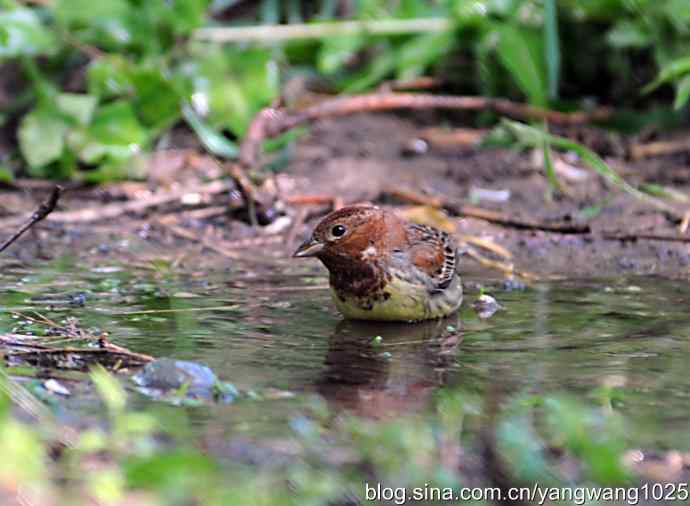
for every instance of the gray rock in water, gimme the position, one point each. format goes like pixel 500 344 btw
pixel 169 374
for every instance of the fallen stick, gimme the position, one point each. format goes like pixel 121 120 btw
pixel 511 222
pixel 629 237
pixel 79 358
pixel 111 211
pixel 659 148
pixel 273 121
pixel 39 215
pixel 485 214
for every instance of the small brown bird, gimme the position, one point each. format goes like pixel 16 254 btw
pixel 385 268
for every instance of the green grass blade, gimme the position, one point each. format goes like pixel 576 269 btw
pixel 535 138
pixel 552 50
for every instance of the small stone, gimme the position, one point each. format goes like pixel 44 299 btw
pixel 486 306
pixel 56 387
pixel 415 147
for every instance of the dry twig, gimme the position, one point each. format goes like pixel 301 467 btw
pixel 486 214
pixel 273 121
pixel 39 215
pixel 633 236
pixel 115 210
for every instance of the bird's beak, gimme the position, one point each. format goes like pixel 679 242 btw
pixel 309 248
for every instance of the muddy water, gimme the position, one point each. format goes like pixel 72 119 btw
pixel 625 342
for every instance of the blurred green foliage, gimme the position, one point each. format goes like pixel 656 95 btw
pixel 129 454
pixel 102 82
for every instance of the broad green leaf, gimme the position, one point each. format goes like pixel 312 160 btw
pixel 669 72
pixel 107 24
pixel 230 86
pixel 109 76
pixel 476 12
pixel 417 54
pixel 109 389
pixel 678 12
pixel 185 15
pixel 23 462
pixel 381 67
pixel 6 175
pixel 86 12
pixel 116 123
pixel 42 137
pixel 78 106
pixel 336 52
pixel 682 92
pixel 169 471
pixel 522 447
pixel 520 53
pixel 596 439
pixel 23 34
pixel 258 75
pixel 114 133
pixel 156 101
pixel 134 167
pixel 213 141
pixel 629 34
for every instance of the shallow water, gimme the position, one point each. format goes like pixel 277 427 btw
pixel 274 332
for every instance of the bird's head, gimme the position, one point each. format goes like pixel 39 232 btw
pixel 351 232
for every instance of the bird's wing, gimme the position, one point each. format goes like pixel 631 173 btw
pixel 433 251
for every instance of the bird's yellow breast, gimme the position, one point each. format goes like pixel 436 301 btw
pixel 405 301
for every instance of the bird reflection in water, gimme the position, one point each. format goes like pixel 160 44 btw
pixel 381 369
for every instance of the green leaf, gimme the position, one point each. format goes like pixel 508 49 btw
pixel 169 471
pixel 109 389
pixel 85 12
pixel 213 141
pixel 520 53
pixel 78 106
pixel 23 34
pixel 117 170
pixel 114 132
pixel 230 86
pixel 336 52
pixel 420 52
pixel 42 137
pixel 109 77
pixel 156 100
pixel 596 439
pixel 6 175
pixel 4 36
pixel 628 34
pixel 682 93
pixel 669 72
pixel 184 16
pixel 381 67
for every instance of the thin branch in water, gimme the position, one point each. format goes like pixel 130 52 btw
pixel 39 215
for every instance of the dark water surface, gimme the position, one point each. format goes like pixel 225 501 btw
pixel 278 333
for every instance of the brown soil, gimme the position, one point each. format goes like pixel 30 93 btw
pixel 360 158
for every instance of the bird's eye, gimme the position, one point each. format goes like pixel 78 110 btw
pixel 338 231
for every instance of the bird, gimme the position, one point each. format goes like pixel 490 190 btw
pixel 383 267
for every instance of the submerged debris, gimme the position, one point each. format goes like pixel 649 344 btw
pixel 174 379
pixel 486 306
